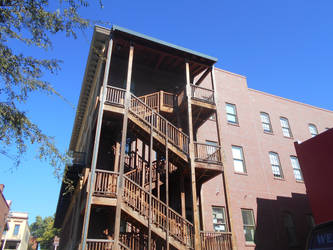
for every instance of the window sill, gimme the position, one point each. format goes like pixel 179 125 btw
pixel 299 181
pixel 268 133
pixel 250 244
pixel 279 178
pixel 233 124
pixel 292 138
pixel 240 173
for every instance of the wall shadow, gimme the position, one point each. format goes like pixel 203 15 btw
pixel 274 231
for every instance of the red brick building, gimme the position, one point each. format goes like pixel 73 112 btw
pixel 207 163
pixel 4 209
pixel 278 202
pixel 315 159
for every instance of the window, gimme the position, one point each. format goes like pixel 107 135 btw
pixel 266 122
pixel 285 127
pixel 16 229
pixel 296 168
pixel 219 223
pixel 238 156
pixel 231 113
pixel 275 163
pixel 313 130
pixel 290 228
pixel 249 226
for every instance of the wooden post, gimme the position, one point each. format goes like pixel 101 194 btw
pixel 150 180
pixel 116 158
pixel 225 184
pixel 197 243
pixel 182 196
pixel 96 147
pixel 167 188
pixel 120 184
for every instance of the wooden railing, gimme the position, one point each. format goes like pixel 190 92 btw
pixel 115 95
pixel 159 101
pixel 202 94
pixel 106 183
pixel 207 153
pixel 99 244
pixel 160 124
pixel 215 240
pixel 138 199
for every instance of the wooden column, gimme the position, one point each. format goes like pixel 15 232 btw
pixel 120 184
pixel 150 180
pixel 225 184
pixel 167 187
pixel 197 243
pixel 182 196
pixel 96 146
pixel 116 157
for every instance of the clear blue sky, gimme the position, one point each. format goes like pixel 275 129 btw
pixel 283 47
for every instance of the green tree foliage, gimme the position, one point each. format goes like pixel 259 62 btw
pixel 43 231
pixel 32 22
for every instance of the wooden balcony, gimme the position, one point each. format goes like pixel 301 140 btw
pixel 208 161
pixel 160 101
pixel 202 95
pixel 207 153
pixel 215 240
pixel 103 244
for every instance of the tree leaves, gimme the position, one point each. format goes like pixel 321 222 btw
pixel 32 22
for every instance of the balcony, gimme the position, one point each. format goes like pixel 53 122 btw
pixel 215 240
pixel 207 153
pixel 159 101
pixel 202 94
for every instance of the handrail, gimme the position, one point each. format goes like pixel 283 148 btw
pixel 207 152
pixel 202 94
pixel 93 244
pixel 162 125
pixel 138 198
pixel 215 240
pixel 106 183
pixel 115 95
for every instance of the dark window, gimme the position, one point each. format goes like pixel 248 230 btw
pixel 291 230
pixel 16 229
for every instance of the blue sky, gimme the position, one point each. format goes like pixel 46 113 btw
pixel 282 47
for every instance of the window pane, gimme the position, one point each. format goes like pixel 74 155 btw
pixel 237 153
pixel 238 166
pixel 16 229
pixel 296 168
pixel 231 109
pixel 313 130
pixel 284 123
pixel 231 118
pixel 286 132
pixel 248 225
pixel 275 164
pixel 274 159
pixel 238 157
pixel 219 223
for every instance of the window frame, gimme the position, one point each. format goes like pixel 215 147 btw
pixel 274 165
pixel 234 115
pixel 265 123
pixel 249 225
pixel 296 169
pixel 224 218
pixel 239 160
pixel 311 125
pixel 286 128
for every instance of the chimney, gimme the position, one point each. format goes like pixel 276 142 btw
pixel 2 186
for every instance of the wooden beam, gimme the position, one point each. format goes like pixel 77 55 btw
pixel 224 180
pixel 120 184
pixel 167 187
pixel 208 70
pixel 150 182
pixel 182 195
pixel 197 243
pixel 96 147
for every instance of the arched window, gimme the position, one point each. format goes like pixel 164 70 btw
pixel 313 130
